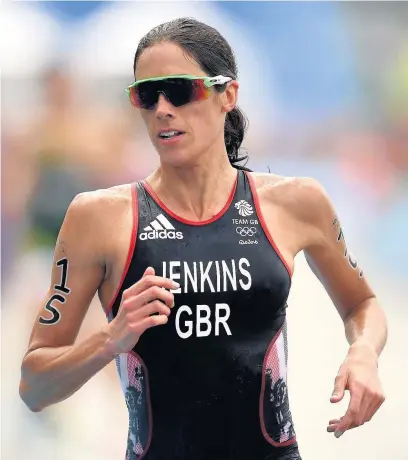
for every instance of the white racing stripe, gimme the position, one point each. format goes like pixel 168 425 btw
pixel 166 224
pixel 156 225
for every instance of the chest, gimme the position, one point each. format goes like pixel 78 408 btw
pixel 227 271
pixel 228 266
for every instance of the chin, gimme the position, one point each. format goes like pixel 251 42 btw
pixel 174 154
pixel 174 157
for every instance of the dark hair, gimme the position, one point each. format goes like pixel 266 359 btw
pixel 215 56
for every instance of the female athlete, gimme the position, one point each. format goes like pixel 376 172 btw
pixel 193 267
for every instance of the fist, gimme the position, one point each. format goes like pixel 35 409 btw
pixel 144 305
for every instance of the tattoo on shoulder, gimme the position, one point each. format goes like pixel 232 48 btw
pixel 64 290
pixel 340 239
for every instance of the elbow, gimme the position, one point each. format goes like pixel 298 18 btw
pixel 29 398
pixel 365 306
pixel 27 391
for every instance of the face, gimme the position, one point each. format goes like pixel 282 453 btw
pixel 202 122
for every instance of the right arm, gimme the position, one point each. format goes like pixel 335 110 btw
pixel 54 366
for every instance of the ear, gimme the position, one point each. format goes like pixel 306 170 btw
pixel 230 96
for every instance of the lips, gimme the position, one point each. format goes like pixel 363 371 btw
pixel 169 133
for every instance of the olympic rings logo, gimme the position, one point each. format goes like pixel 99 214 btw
pixel 246 231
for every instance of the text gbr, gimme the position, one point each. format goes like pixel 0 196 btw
pixel 197 277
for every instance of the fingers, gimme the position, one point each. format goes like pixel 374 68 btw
pixel 368 407
pixel 153 293
pixel 333 425
pixel 364 408
pixel 374 402
pixel 340 383
pixel 364 403
pixel 149 280
pixel 136 316
pixel 148 271
pixel 155 307
pixel 352 413
pixel 335 421
pixel 152 321
pixel 137 319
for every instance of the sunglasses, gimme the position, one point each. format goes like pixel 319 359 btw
pixel 178 90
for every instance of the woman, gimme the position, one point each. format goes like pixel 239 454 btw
pixel 196 301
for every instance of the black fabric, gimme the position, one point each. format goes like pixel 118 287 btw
pixel 205 391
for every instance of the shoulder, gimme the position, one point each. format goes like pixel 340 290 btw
pixel 97 208
pixel 93 217
pixel 295 192
pixel 93 201
pixel 304 199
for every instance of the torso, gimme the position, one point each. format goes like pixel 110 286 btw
pixel 273 192
pixel 209 389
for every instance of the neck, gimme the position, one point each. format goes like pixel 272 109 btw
pixel 195 192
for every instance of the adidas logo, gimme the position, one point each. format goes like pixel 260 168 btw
pixel 160 228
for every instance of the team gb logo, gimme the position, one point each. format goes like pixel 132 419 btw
pixel 244 208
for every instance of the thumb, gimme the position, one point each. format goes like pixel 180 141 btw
pixel 148 271
pixel 339 387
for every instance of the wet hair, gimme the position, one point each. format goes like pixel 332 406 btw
pixel 215 57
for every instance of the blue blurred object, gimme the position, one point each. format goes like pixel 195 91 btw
pixel 71 11
pixel 306 46
pixel 389 235
pixel 310 53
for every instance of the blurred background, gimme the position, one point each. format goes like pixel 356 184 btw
pixel 325 88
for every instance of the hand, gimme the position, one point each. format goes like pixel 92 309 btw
pixel 359 375
pixel 138 309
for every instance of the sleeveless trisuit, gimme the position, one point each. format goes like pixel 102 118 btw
pixel 211 383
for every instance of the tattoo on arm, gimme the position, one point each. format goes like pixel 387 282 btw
pixel 61 287
pixel 340 238
pixel 56 314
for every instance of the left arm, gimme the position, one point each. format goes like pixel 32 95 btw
pixel 364 321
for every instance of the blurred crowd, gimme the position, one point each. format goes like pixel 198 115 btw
pixel 325 88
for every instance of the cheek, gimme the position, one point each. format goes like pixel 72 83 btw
pixel 204 122
pixel 144 116
pixel 148 120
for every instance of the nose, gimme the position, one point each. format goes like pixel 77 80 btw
pixel 163 108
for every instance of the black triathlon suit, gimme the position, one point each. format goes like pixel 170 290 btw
pixel 211 383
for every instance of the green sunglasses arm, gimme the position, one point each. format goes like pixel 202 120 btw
pixel 208 81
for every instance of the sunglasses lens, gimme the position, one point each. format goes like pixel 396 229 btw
pixel 134 97
pixel 200 91
pixel 178 91
pixel 181 91
pixel 148 94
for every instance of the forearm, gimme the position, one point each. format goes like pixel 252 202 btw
pixel 50 375
pixel 366 326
